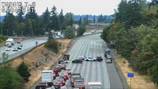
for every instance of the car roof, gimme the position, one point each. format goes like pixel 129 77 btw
pixel 94 83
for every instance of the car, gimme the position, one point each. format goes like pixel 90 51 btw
pixel 44 85
pixel 108 56
pixel 8 49
pixel 90 59
pixel 77 61
pixel 108 60
pixel 66 57
pixel 82 58
pixel 19 47
pixel 107 52
pixel 63 61
pixel 15 49
pixel 99 58
pixel 94 85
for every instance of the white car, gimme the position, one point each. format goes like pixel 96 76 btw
pixel 90 59
pixel 8 49
pixel 15 49
pixel 108 60
pixel 109 56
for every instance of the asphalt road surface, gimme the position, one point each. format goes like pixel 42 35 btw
pixel 92 46
pixel 27 45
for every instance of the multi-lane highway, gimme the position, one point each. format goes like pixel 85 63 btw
pixel 27 45
pixel 92 46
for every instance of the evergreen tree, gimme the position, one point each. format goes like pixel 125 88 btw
pixel 85 20
pixel 45 20
pixel 9 24
pixel 54 23
pixel 61 20
pixel 68 19
pixel 33 21
pixel 20 22
pixel 24 72
pixel 20 14
pixel 129 13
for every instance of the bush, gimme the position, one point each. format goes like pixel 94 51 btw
pixel 2 39
pixel 52 45
pixel 81 30
pixel 10 79
pixel 23 71
pixel 69 32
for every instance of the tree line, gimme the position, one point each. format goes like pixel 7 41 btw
pixel 31 24
pixel 134 33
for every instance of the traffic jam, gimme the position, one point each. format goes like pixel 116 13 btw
pixel 60 77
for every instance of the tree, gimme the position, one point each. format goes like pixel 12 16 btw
pixel 20 28
pixel 20 14
pixel 9 24
pixel 54 22
pixel 1 28
pixel 33 20
pixel 61 20
pixel 45 20
pixel 24 71
pixel 137 43
pixel 100 18
pixel 129 13
pixel 20 22
pixel 85 20
pixel 94 19
pixel 28 28
pixel 10 79
pixel 81 30
pixel 69 32
pixel 68 19
pixel 80 21
pixel 53 45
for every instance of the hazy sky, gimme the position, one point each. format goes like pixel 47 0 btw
pixel 79 7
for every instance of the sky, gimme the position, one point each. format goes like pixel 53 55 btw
pixel 82 6
pixel 78 7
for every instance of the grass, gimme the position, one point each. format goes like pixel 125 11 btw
pixel 139 81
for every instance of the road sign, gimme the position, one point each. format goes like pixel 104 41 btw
pixel 130 75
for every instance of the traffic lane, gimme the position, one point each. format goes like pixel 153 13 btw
pixel 91 71
pixel 115 80
pixel 27 45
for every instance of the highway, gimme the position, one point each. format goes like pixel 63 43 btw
pixel 27 45
pixel 92 46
